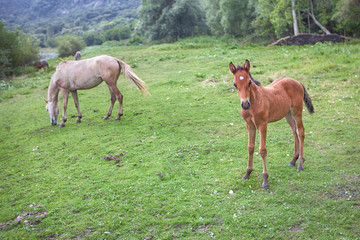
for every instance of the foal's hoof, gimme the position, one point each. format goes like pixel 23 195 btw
pixel 117 119
pixel 105 118
pixel 265 186
pixel 299 168
pixel 78 121
pixel 62 125
pixel 291 164
pixel 246 177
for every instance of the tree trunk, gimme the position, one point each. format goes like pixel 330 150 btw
pixel 327 32
pixel 296 29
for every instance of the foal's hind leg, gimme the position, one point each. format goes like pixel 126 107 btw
pixel 76 101
pixel 291 121
pixel 301 134
pixel 300 131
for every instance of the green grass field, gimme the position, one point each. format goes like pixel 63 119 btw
pixel 165 170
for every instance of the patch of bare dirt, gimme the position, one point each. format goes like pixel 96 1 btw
pixel 28 217
pixel 350 191
pixel 307 38
pixel 117 158
pixel 202 228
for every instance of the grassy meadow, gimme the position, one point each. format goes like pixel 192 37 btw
pixel 166 169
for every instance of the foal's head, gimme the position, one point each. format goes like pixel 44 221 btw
pixel 53 110
pixel 242 82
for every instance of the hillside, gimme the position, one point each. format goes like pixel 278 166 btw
pixel 47 18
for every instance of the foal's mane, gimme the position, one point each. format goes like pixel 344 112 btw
pixel 242 68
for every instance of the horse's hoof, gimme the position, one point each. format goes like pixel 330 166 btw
pixel 117 119
pixel 265 186
pixel 291 164
pixel 62 125
pixel 299 169
pixel 105 118
pixel 245 178
pixel 78 121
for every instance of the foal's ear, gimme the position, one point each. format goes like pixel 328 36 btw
pixel 247 65
pixel 45 100
pixel 232 68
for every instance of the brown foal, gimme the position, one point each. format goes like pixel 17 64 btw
pixel 261 105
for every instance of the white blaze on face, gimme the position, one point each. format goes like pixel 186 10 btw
pixel 241 78
pixel 244 100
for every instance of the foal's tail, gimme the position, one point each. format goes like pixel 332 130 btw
pixel 129 73
pixel 308 102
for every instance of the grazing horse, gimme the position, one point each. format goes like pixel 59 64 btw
pixel 77 55
pixel 41 64
pixel 261 105
pixel 71 76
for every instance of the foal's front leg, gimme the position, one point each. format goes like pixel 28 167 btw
pixel 65 102
pixel 263 153
pixel 251 146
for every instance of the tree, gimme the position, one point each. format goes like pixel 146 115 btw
pixel 213 17
pixel 347 17
pixel 237 16
pixel 262 24
pixel 169 20
pixel 93 38
pixel 232 17
pixel 117 33
pixel 68 45
pixel 296 28
pixel 316 21
pixel 16 50
pixel 274 18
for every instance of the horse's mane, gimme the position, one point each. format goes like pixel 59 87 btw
pixel 242 68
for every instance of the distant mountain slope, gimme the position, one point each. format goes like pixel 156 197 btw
pixel 28 14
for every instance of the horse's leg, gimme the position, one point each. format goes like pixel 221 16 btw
pixel 291 121
pixel 76 101
pixel 115 94
pixel 251 145
pixel 119 97
pixel 300 131
pixel 65 102
pixel 113 99
pixel 301 134
pixel 263 153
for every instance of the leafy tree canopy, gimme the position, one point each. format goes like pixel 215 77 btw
pixel 170 20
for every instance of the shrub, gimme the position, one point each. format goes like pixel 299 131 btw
pixel 117 34
pixel 68 45
pixel 16 50
pixel 93 38
pixel 136 40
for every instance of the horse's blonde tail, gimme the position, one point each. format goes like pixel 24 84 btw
pixel 129 73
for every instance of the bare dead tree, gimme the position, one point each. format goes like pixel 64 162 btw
pixel 327 32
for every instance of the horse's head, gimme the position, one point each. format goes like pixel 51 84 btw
pixel 242 82
pixel 53 110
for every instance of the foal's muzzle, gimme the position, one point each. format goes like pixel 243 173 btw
pixel 245 104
